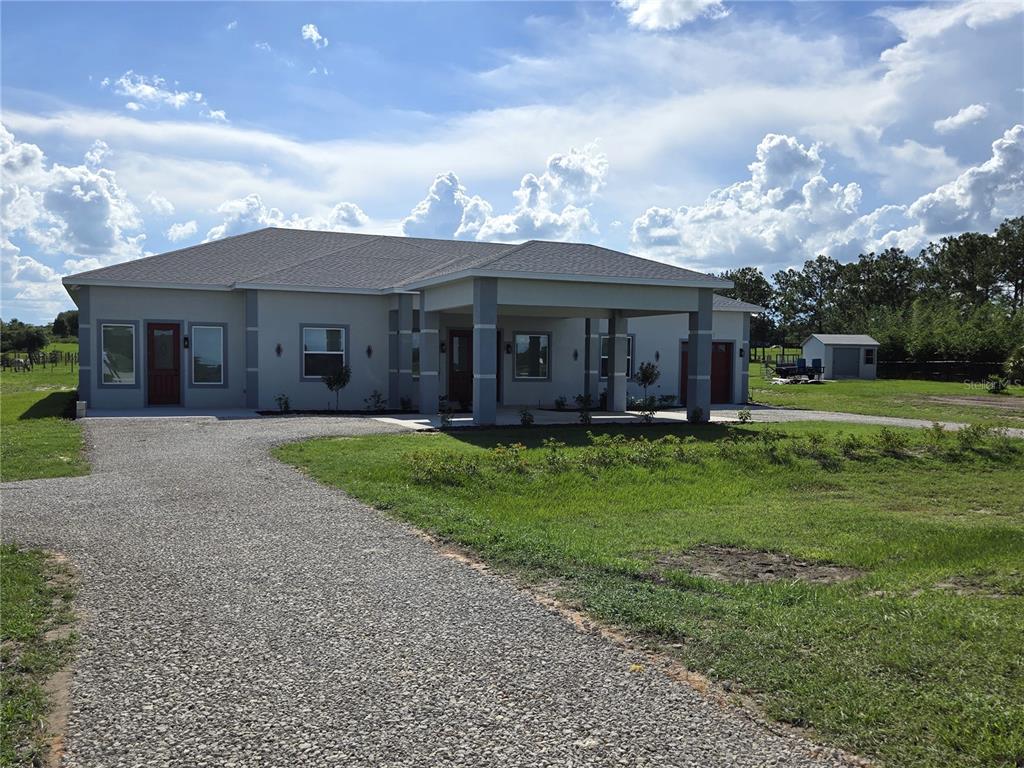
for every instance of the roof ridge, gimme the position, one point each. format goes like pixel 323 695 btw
pixel 451 261
pixel 253 278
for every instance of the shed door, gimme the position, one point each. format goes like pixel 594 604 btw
pixel 846 362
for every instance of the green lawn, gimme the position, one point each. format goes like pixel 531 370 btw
pixel 895 397
pixel 917 661
pixel 37 593
pixel 36 438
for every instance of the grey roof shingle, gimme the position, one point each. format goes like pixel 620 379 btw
pixel 725 304
pixel 339 260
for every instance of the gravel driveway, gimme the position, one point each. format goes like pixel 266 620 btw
pixel 237 613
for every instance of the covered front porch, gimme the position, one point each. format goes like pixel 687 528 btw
pixel 503 342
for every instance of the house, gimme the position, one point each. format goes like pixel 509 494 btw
pixel 843 355
pixel 243 321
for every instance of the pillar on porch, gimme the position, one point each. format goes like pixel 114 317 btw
pixel 618 331
pixel 393 385
pixel 592 361
pixel 744 392
pixel 485 343
pixel 85 338
pixel 252 349
pixel 405 324
pixel 430 360
pixel 698 382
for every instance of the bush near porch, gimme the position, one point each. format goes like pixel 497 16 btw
pixel 36 437
pixel 914 657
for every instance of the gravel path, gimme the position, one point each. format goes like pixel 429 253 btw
pixel 237 613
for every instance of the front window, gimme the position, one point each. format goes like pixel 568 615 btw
pixel 604 357
pixel 207 354
pixel 532 358
pixel 323 351
pixel 118 353
pixel 869 357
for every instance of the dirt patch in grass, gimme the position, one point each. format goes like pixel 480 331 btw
pixel 971 587
pixel 743 566
pixel 997 402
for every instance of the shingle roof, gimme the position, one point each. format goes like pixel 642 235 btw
pixel 844 338
pixel 725 304
pixel 345 260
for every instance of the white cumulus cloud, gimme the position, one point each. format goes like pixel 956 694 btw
pixel 159 204
pixel 152 92
pixel 657 15
pixel 969 114
pixel 551 206
pixel 245 214
pixel 311 33
pixel 231 25
pixel 181 230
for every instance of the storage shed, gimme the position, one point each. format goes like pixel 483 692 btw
pixel 842 355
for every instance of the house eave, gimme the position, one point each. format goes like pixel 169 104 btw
pixel 708 282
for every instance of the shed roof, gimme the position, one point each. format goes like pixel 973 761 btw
pixel 855 339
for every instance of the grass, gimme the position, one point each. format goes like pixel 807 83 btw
pixel 36 438
pixel 893 397
pixel 37 596
pixel 890 665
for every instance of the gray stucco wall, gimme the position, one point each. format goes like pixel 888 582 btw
pixel 184 307
pixel 281 315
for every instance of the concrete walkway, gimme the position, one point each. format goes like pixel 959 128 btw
pixel 719 414
pixel 237 613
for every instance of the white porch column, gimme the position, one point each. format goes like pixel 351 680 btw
pixel 485 347
pixel 430 360
pixel 393 385
pixel 698 383
pixel 618 330
pixel 592 361
pixel 252 349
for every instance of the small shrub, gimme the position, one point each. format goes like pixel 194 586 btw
pixel 770 443
pixel 405 403
pixel 337 381
pixel 643 452
pixel 555 459
pixel 443 468
pixel 561 403
pixel 996 385
pixel 815 446
pixel 744 415
pixel 679 449
pixel 971 436
pixel 584 403
pixel 893 443
pixel 444 412
pixel 375 402
pixel 648 407
pixel 525 417
pixel 510 459
pixel 697 416
pixel 283 403
pixel 936 439
pixel 852 446
pixel 666 401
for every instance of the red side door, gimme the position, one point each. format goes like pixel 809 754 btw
pixel 721 372
pixel 163 363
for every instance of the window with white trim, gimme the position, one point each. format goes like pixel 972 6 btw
pixel 323 351
pixel 207 346
pixel 869 356
pixel 604 357
pixel 118 353
pixel 415 354
pixel 532 360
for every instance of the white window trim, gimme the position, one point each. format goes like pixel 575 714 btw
pixel 630 344
pixel 343 352
pixel 103 355
pixel 192 350
pixel 870 351
pixel 515 354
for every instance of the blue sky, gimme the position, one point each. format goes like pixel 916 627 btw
pixel 701 132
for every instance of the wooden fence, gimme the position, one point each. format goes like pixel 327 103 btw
pixel 21 361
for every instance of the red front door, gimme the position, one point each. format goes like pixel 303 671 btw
pixel 163 363
pixel 460 369
pixel 721 372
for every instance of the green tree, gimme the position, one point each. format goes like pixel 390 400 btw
pixel 752 286
pixel 1009 246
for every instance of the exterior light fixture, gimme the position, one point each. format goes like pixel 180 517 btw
pixel 369 351
pixel 278 350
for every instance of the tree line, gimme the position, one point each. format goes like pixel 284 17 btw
pixel 961 298
pixel 16 336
